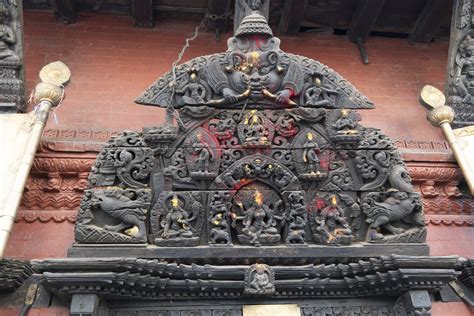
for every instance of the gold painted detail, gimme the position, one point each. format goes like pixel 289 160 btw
pixel 440 115
pixel 56 73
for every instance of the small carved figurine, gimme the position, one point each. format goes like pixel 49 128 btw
pixel 259 223
pixel 193 92
pixel 260 280
pixel 176 222
pixel 320 95
pixel 218 219
pixel 311 151
pixel 344 124
pixel 205 155
pixel 332 227
pixel 297 219
pixel 7 37
pixel 255 131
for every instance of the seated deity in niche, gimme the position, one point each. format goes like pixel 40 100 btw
pixel 320 95
pixel 259 223
pixel 331 225
pixel 344 124
pixel 7 37
pixel 176 224
pixel 311 150
pixel 255 132
pixel 193 92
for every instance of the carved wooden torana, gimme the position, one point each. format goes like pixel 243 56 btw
pixel 267 185
pixel 11 57
pixel 460 87
pixel 268 152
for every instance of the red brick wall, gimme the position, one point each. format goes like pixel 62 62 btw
pixel 112 63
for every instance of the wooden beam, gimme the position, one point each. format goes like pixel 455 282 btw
pixel 142 12
pixel 429 21
pixel 64 11
pixel 292 16
pixel 363 19
pixel 219 8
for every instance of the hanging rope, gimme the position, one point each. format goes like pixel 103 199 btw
pixel 202 25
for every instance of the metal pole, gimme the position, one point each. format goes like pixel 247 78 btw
pixel 13 201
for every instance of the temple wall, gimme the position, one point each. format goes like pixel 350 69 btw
pixel 112 63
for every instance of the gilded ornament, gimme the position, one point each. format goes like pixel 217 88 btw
pixel 48 92
pixel 432 98
pixel 56 73
pixel 440 115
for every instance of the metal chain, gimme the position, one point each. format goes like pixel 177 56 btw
pixel 202 25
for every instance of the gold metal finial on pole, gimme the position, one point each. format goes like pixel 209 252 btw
pixel 22 143
pixel 460 140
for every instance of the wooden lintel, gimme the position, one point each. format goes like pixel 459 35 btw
pixel 220 8
pixel 429 21
pixel 364 18
pixel 142 11
pixel 292 16
pixel 64 11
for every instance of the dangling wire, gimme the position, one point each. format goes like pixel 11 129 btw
pixel 170 108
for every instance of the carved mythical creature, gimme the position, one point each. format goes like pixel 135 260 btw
pixel 398 206
pixel 332 226
pixel 7 37
pixel 121 206
pixel 176 224
pixel 255 73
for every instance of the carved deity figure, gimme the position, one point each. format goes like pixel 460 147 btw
pixel 258 220
pixel 255 131
pixel 176 223
pixel 260 281
pixel 344 124
pixel 320 95
pixel 131 213
pixel 331 221
pixel 297 219
pixel 7 37
pixel 311 151
pixel 193 92
pixel 219 232
pixel 464 81
pixel 204 153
